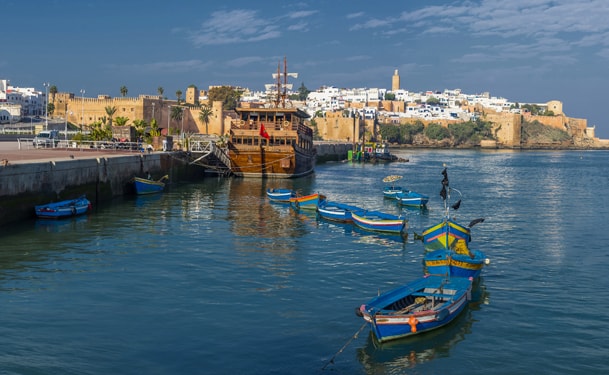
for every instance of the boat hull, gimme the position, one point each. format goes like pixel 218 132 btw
pixel 145 186
pixel 417 307
pixel 271 162
pixel 445 262
pixel 334 211
pixel 280 195
pixel 391 192
pixel 379 222
pixel 63 209
pixel 441 235
pixel 411 198
pixel 306 202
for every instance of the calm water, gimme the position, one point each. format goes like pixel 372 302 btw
pixel 213 279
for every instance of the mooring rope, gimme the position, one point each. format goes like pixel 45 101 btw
pixel 345 346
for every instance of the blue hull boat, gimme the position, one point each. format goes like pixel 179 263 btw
pixel 412 198
pixel 422 305
pixel 306 202
pixel 447 243
pixel 455 264
pixel 335 211
pixel 63 209
pixel 280 195
pixel 147 186
pixel 380 221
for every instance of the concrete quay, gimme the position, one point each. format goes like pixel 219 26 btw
pixel 31 176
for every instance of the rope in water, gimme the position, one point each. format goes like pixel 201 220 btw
pixel 345 346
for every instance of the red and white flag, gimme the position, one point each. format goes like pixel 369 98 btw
pixel 263 132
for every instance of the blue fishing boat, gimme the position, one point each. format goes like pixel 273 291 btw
pixel 392 190
pixel 149 186
pixel 280 195
pixel 335 211
pixel 461 262
pixel 380 221
pixel 63 209
pixel 447 243
pixel 411 198
pixel 448 231
pixel 306 202
pixel 422 305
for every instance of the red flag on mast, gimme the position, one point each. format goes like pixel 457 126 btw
pixel 263 132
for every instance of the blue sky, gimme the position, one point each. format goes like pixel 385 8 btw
pixel 524 50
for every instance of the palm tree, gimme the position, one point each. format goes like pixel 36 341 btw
pixel 110 111
pixel 176 113
pixel 204 115
pixel 53 92
pixel 179 95
pixel 124 91
pixel 121 121
pixel 160 90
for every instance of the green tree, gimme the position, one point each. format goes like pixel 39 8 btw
pixel 390 133
pixel 226 94
pixel 303 92
pixel 160 90
pixel 176 114
pixel 50 108
pixel 409 131
pixel 436 132
pixel 99 132
pixel 140 127
pixel 204 115
pixel 110 111
pixel 389 96
pixel 121 121
pixel 432 100
pixel 462 132
pixel 124 91
pixel 53 92
pixel 179 95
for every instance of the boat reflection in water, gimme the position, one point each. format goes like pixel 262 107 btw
pixel 395 356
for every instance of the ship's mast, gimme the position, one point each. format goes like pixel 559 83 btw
pixel 282 86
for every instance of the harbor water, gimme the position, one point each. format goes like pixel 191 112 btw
pixel 212 278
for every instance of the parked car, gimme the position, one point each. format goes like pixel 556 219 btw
pixel 46 138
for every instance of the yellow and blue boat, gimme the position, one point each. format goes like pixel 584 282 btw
pixel 447 243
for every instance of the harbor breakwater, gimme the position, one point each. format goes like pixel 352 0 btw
pixel 100 178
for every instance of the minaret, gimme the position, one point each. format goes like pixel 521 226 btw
pixel 395 81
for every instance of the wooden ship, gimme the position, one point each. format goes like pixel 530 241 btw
pixel 271 140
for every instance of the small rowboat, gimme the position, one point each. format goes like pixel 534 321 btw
pixel 306 202
pixel 280 195
pixel 411 198
pixel 380 221
pixel 335 211
pixel 416 307
pixel 62 209
pixel 391 191
pixel 148 186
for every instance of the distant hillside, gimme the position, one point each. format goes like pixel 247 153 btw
pixel 469 134
pixel 536 133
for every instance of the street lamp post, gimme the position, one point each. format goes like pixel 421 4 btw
pixel 152 109
pixel 182 131
pixel 66 130
pixel 46 106
pixel 82 103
